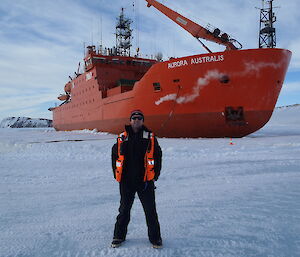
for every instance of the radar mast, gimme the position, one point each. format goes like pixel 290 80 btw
pixel 267 35
pixel 123 35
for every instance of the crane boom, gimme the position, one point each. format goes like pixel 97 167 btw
pixel 195 29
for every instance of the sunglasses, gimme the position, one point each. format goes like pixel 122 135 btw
pixel 137 118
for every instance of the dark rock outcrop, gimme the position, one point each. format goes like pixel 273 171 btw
pixel 25 122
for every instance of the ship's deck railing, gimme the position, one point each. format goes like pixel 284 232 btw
pixel 106 51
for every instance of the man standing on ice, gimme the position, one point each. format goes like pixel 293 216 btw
pixel 136 163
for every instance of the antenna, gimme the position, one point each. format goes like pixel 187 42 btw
pixel 101 30
pixel 92 34
pixel 267 33
pixel 100 34
pixel 135 6
pixel 83 49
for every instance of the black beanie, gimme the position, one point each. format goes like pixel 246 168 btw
pixel 137 112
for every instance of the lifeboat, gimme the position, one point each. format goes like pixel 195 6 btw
pixel 63 97
pixel 68 87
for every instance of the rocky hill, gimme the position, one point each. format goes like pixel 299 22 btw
pixel 25 122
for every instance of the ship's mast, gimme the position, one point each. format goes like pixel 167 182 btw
pixel 123 35
pixel 267 35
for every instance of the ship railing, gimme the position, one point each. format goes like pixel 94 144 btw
pixel 106 51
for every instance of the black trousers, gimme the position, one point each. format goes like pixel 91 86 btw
pixel 147 197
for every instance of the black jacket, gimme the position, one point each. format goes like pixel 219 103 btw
pixel 134 150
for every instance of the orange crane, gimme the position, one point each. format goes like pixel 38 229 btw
pixel 210 33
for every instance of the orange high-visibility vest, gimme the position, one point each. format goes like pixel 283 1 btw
pixel 148 160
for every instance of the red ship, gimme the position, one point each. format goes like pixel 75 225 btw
pixel 224 94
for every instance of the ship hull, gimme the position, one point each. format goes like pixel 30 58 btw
pixel 226 94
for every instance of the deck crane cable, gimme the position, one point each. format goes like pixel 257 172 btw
pixel 135 6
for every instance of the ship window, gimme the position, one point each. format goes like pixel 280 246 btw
pixel 156 86
pixel 176 80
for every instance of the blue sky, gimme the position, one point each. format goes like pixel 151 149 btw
pixel 42 41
